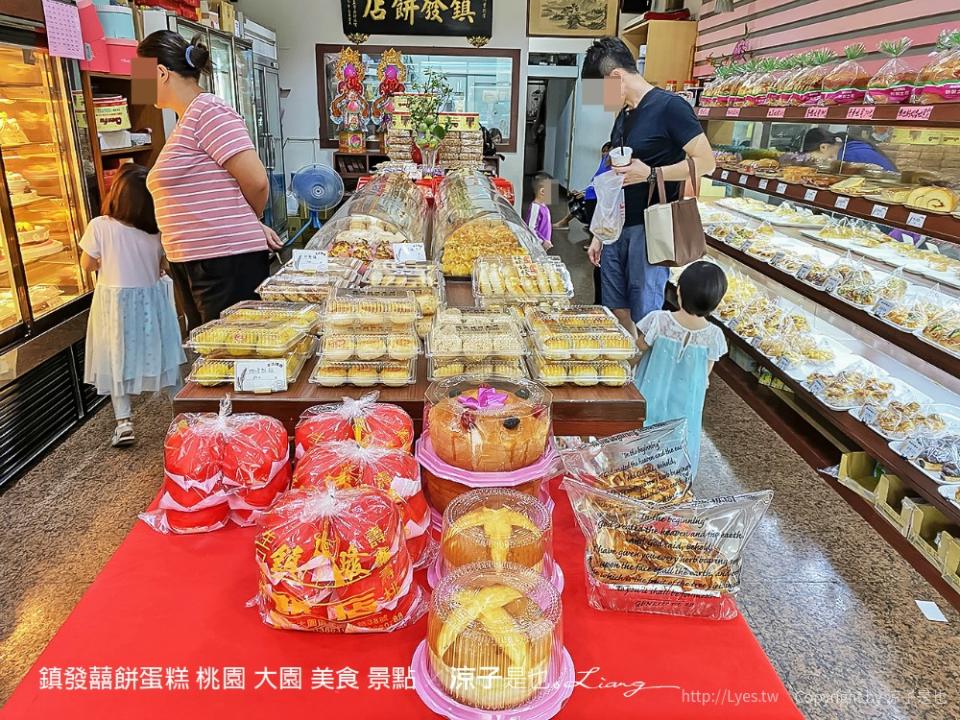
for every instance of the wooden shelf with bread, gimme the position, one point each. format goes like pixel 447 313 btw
pixel 143 118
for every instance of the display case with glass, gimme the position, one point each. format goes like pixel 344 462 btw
pixel 44 206
pixel 243 55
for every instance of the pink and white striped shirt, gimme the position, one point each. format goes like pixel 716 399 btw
pixel 201 212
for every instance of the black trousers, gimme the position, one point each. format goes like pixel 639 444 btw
pixel 207 287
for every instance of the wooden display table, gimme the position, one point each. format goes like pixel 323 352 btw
pixel 598 410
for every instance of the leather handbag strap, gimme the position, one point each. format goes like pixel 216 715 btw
pixel 661 186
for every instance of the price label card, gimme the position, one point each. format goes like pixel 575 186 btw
pixel 315 260
pixel 734 324
pixel 861 112
pixel 914 112
pixel 915 219
pixel 782 363
pixel 763 184
pixel 724 175
pixel 832 284
pixel 746 246
pixel 777 257
pixel 743 180
pixel 755 342
pixel 912 448
pixel 883 308
pixel 817 387
pixel 781 188
pixel 879 211
pixel 775 112
pixel 815 113
pixel 409 252
pixel 703 112
pixel 733 112
pixel 842 202
pixel 803 271
pixel 260 376
pixel 869 414
pixel 810 195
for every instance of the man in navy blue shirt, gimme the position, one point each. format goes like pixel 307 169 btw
pixel 663 131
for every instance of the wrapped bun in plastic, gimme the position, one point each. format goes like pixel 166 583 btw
pixel 369 423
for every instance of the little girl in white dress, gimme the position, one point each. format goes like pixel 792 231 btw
pixel 133 338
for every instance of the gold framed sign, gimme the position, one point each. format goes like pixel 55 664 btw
pixel 562 18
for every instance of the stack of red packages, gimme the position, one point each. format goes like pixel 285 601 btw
pixel 217 468
pixel 369 423
pixel 347 464
pixel 334 560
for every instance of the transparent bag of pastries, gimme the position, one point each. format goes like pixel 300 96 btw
pixel 682 559
pixel 488 424
pixel 650 464
pixel 334 560
pixel 494 639
pixel 364 420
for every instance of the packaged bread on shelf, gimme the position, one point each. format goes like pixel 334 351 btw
pixel 894 82
pixel 335 561
pixel 939 80
pixel 944 330
pixel 848 82
pixel 368 422
pixel 488 424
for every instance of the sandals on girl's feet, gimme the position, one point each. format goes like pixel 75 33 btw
pixel 123 435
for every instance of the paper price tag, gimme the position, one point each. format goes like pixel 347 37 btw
pixel 842 202
pixel 803 271
pixel 912 448
pixel 746 246
pixel 776 112
pixel 914 112
pixel 316 260
pixel 755 342
pixel 832 284
pixel 734 324
pixel 817 387
pixel 810 195
pixel 703 112
pixel 743 180
pixel 861 112
pixel 883 308
pixel 777 258
pixel 260 376
pixel 781 188
pixel 815 113
pixel 733 112
pixel 724 175
pixel 869 414
pixel 916 219
pixel 763 184
pixel 782 363
pixel 879 211
pixel 409 252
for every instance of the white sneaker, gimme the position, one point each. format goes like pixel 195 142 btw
pixel 123 435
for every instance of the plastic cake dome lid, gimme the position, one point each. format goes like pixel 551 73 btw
pixel 487 396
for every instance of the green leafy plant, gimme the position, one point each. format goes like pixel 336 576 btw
pixel 432 94
pixel 854 51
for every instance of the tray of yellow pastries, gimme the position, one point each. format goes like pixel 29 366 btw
pixel 440 368
pixel 423 279
pixel 943 331
pixel 511 279
pixel 586 345
pixel 571 319
pixel 475 344
pixel 392 373
pixel 613 373
pixel 339 344
pixel 306 316
pixel 310 287
pixel 222 338
pixel 463 319
pixel 912 312
pixel 371 306
pixel 211 371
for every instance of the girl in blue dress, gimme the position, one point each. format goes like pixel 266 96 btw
pixel 679 350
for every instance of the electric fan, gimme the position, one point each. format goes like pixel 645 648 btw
pixel 320 188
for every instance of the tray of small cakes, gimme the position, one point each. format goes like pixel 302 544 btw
pixel 476 342
pixel 265 339
pixel 424 279
pixel 937 457
pixel 501 281
pixel 306 316
pixel 291 284
pixel 212 371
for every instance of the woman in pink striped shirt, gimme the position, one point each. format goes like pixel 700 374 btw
pixel 208 185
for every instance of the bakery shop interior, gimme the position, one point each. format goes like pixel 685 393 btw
pixel 480 359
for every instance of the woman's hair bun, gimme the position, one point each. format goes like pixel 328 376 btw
pixel 200 55
pixel 176 54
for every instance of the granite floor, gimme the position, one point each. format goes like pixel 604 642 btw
pixel 831 603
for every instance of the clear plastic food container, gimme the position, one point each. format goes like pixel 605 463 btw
pixel 392 373
pixel 586 345
pixel 222 338
pixel 403 275
pixel 209 371
pixel 478 319
pixel 306 316
pixel 512 279
pixel 585 374
pixel 440 368
pixel 475 344
pixel 371 306
pixel 296 286
pixel 342 344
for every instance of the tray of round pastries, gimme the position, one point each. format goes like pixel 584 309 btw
pixel 342 343
pixel 392 373
pixel 613 373
pixel 586 345
pixel 211 371
pixel 475 344
pixel 859 383
pixel 440 368
pixel 371 307
pixel 937 457
pixel 302 287
pixel 576 318
pixel 423 279
pixel 908 416
pixel 306 316
pixel 222 338
pixel 514 279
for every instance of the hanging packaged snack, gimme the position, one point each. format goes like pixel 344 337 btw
pixel 304 316
pixel 503 629
pixel 488 424
pixel 334 561
pixel 893 83
pixel 364 420
pixel 346 464
pixel 807 86
pixel 847 82
pixel 939 80
pixel 683 559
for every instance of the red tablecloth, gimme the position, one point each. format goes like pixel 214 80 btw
pixel 178 602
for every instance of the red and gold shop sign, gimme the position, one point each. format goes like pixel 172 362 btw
pixel 454 18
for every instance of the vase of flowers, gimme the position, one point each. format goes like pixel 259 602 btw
pixel 429 129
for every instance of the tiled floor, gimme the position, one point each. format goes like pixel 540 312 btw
pixel 831 603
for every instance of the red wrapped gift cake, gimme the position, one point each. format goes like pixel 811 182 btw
pixel 369 423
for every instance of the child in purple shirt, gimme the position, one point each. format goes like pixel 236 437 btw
pixel 539 218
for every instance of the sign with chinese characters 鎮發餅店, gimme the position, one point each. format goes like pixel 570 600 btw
pixel 458 18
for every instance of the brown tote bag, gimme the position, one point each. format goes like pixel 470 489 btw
pixel 674 232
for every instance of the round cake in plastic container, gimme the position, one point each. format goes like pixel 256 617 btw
pixel 494 644
pixel 488 424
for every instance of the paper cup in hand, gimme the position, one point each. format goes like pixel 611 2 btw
pixel 621 157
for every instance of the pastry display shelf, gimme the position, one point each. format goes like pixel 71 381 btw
pixel 943 115
pixel 940 227
pixel 132 150
pixel 905 340
pixel 871 442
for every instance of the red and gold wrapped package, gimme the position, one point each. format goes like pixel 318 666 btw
pixel 369 423
pixel 334 560
pixel 348 465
